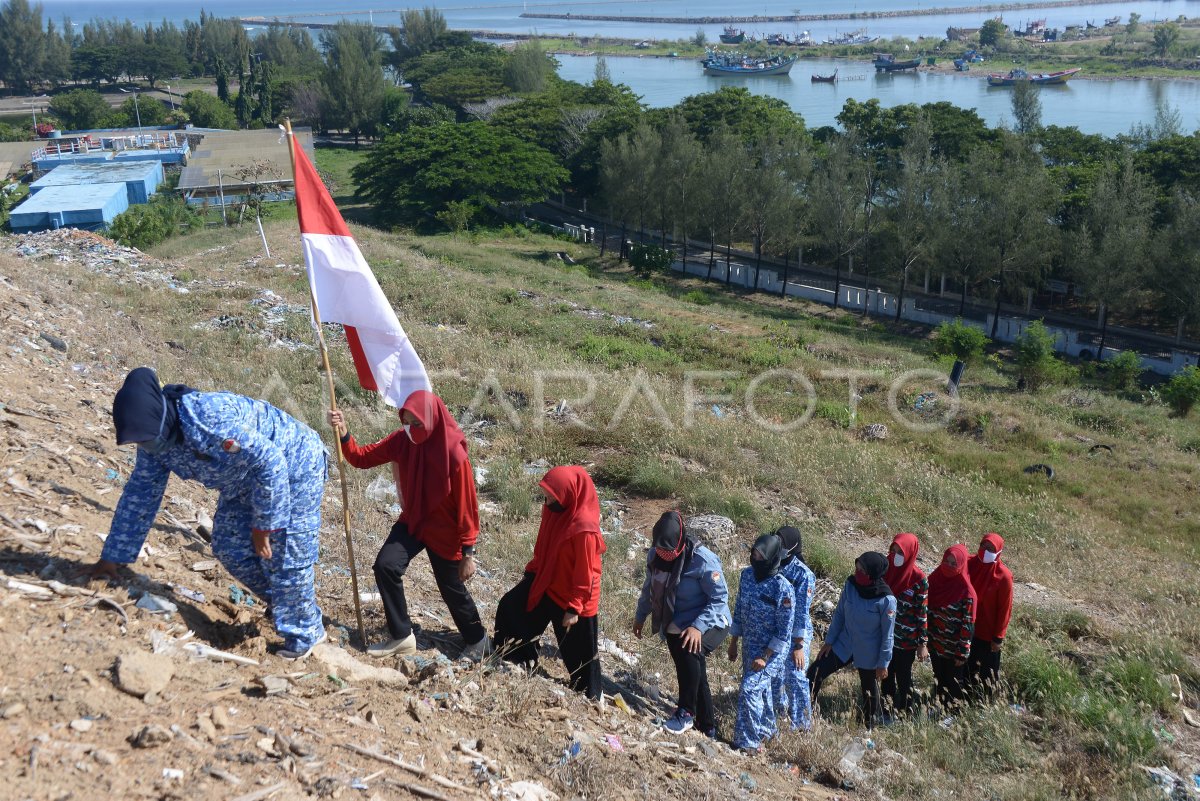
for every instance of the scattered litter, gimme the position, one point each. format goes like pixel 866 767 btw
pixel 156 604
pixel 112 475
pixel 875 432
pixel 81 725
pixel 202 566
pixel 172 773
pixel 609 647
pixel 382 490
pixel 747 781
pixel 717 411
pixel 368 597
pixel 1045 469
pixel 614 742
pixel 946 723
pixel 527 791
pixel 570 752
pixel 925 400
pixel 191 595
pixel 240 597
pixel 213 655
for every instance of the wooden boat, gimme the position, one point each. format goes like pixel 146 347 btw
pixel 738 64
pixel 1054 78
pixel 733 35
pixel 825 78
pixel 886 62
pixel 1111 21
pixel 1040 79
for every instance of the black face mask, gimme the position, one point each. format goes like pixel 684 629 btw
pixel 556 507
pixel 765 557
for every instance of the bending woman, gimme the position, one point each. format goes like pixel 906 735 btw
pixel 561 586
pixel 436 485
pixel 687 601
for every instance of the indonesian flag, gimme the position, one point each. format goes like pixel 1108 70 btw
pixel 345 291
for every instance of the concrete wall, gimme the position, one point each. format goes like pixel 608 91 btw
pixel 1067 341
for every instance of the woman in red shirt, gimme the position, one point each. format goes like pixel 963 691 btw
pixel 436 485
pixel 993 582
pixel 561 584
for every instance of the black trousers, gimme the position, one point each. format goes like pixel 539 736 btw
pixel 390 566
pixel 949 679
pixel 517 632
pixel 691 671
pixel 898 685
pixel 870 704
pixel 983 669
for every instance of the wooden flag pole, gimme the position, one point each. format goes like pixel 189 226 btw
pixel 341 462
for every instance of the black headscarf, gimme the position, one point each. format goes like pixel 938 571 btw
pixel 142 411
pixel 874 565
pixel 790 536
pixel 770 548
pixel 670 536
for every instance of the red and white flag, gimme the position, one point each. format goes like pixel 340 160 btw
pixel 346 292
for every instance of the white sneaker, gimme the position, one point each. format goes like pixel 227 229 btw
pixel 479 650
pixel 287 653
pixel 407 645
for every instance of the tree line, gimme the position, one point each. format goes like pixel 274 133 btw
pixel 889 192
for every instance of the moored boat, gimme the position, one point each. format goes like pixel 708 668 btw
pixel 733 35
pixel 825 78
pixel 1018 75
pixel 741 64
pixel 886 62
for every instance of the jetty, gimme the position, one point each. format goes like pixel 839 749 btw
pixel 987 8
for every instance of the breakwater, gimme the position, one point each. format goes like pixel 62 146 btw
pixel 986 8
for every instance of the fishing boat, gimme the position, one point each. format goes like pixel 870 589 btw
pixel 1053 78
pixel 776 39
pixel 1016 76
pixel 859 37
pixel 886 62
pixel 1111 21
pixel 741 64
pixel 825 78
pixel 733 35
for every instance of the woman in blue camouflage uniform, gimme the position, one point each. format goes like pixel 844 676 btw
pixel 791 688
pixel 763 616
pixel 270 470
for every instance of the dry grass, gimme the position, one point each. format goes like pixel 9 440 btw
pixel 1113 538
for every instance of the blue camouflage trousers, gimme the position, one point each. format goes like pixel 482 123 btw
pixel 791 694
pixel 286 581
pixel 756 708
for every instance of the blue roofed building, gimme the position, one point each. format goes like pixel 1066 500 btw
pixel 91 207
pixel 141 178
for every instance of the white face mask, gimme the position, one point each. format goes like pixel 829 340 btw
pixel 990 556
pixel 408 432
pixel 898 559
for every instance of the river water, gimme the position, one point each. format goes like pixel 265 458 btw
pixel 1104 107
pixel 1107 107
pixel 504 15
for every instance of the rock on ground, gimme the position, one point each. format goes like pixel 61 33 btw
pixel 338 661
pixel 713 531
pixel 140 673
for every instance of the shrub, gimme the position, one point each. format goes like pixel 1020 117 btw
pixel 639 475
pixel 1036 363
pixel 960 340
pixel 1182 392
pixel 697 296
pixel 647 259
pixel 144 226
pixel 1122 371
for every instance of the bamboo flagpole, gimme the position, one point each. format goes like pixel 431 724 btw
pixel 341 461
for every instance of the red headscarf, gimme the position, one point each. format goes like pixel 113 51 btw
pixel 947 587
pixel 903 577
pixel 572 487
pixel 983 575
pixel 425 465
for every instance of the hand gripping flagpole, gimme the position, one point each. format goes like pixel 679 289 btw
pixel 341 462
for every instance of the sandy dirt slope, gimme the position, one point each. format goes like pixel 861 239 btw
pixel 275 729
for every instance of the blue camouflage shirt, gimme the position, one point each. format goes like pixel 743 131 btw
pixel 763 615
pixel 803 582
pixel 245 448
